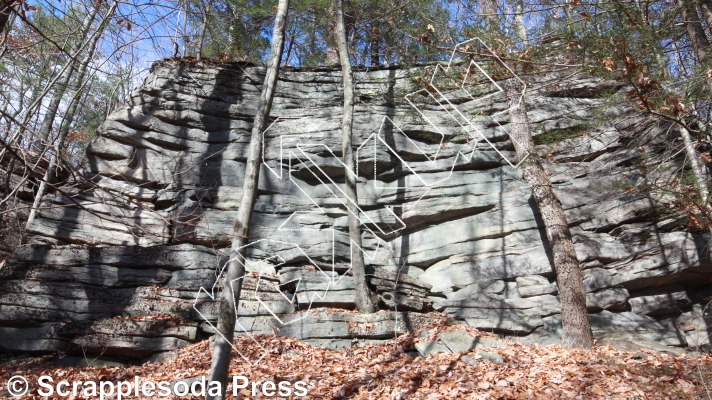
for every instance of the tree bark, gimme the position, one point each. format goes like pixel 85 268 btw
pixel 701 45
pixel 576 325
pixel 203 28
pixel 489 8
pixel 289 50
pixel 697 171
pixel 574 315
pixel 519 21
pixel 706 8
pixel 375 56
pixel 697 36
pixel 694 28
pixel 332 49
pixel 230 295
pixel 364 299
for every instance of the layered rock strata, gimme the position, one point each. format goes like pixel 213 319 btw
pixel 125 262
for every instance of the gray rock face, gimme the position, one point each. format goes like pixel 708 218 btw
pixel 660 301
pixel 696 327
pixel 457 342
pixel 431 347
pixel 535 285
pixel 447 226
pixel 607 299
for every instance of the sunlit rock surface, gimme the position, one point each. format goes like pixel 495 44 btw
pixel 448 224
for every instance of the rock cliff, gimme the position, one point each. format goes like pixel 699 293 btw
pixel 125 261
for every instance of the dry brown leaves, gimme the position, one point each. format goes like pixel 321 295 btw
pixel 387 371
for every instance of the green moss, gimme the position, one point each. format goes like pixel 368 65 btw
pixel 556 135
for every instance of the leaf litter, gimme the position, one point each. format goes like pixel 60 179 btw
pixel 392 370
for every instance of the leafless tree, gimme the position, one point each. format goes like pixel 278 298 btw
pixel 230 295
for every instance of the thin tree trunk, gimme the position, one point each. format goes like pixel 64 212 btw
pixel 289 50
pixel 701 45
pixel 697 170
pixel 489 8
pixel 203 28
pixel 364 300
pixel 49 176
pixel 45 130
pixel 697 36
pixel 41 142
pixel 575 321
pixel 175 40
pixel 375 56
pixel 230 295
pixel 519 21
pixel 576 325
pixel 60 77
pixel 570 18
pixel 332 50
pixel 695 31
pixel 706 8
pixel 184 40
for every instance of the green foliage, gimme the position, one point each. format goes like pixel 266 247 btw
pixel 41 50
pixel 638 45
pixel 379 31
pixel 236 30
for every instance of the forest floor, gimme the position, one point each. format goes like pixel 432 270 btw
pixel 389 370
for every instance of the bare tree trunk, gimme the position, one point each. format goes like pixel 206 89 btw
pixel 697 36
pixel 61 78
pixel 569 17
pixel 230 295
pixel 375 56
pixel 45 130
pixel 364 299
pixel 41 142
pixel 489 8
pixel 49 176
pixel 701 45
pixel 576 325
pixel 519 21
pixel 332 50
pixel 203 28
pixel 697 170
pixel 706 8
pixel 289 50
pixel 694 28
pixel 184 40
pixel 176 47
pixel 575 321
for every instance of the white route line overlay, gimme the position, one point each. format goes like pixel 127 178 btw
pixel 256 297
pixel 469 127
pixel 377 138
